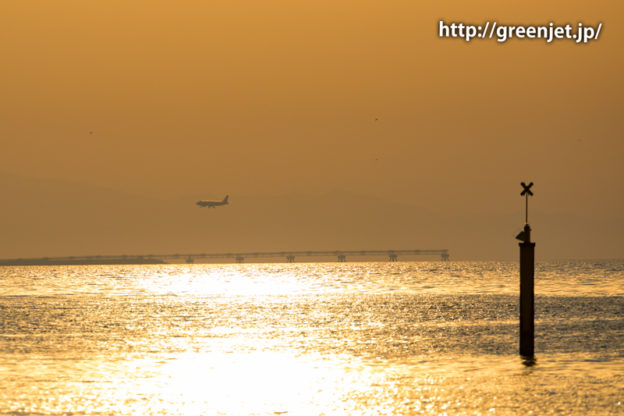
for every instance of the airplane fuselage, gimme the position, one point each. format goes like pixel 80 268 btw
pixel 213 204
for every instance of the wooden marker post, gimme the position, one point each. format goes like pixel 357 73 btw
pixel 527 274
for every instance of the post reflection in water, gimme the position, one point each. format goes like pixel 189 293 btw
pixel 365 338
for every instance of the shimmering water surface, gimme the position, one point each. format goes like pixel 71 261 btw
pixel 309 339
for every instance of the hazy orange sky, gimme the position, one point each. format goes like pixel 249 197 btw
pixel 201 98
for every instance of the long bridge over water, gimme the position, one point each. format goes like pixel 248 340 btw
pixel 238 257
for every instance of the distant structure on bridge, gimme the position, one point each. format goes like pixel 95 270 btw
pixel 241 257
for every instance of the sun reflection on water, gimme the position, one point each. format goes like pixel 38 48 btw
pixel 262 383
pixel 333 339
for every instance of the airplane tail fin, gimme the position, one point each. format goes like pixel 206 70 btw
pixel 225 200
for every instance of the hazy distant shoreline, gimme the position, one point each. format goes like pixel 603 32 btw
pixel 79 262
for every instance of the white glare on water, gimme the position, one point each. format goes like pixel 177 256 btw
pixel 360 338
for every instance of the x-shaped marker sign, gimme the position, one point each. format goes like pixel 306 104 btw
pixel 527 189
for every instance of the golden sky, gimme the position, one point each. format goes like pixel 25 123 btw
pixel 249 97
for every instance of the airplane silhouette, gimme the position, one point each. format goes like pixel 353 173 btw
pixel 213 204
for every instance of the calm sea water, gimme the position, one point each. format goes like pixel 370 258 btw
pixel 309 339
